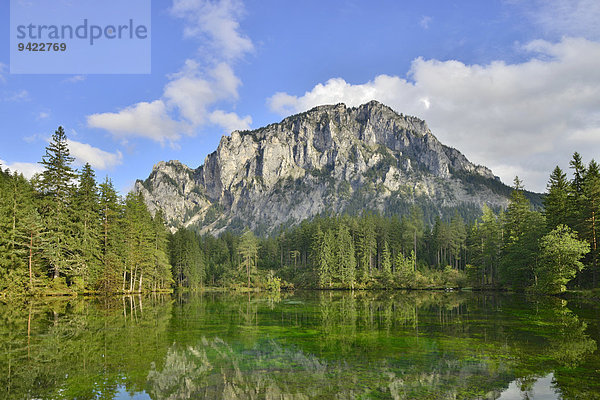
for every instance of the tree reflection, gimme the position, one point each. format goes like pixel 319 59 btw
pixel 341 345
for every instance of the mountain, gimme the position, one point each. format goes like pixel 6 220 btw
pixel 331 159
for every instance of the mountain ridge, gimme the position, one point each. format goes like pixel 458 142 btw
pixel 330 159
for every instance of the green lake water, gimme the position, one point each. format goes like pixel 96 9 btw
pixel 309 345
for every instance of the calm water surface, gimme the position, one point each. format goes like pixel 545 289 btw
pixel 313 345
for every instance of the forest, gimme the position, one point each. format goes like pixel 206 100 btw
pixel 63 233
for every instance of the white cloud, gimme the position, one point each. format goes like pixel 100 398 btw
pixel 216 22
pixel 530 115
pixel 2 72
pixel 425 21
pixel 27 169
pixel 43 115
pixel 230 121
pixel 97 158
pixel 148 120
pixel 15 97
pixel 191 94
pixel 563 17
pixel 75 79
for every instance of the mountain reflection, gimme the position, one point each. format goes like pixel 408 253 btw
pixel 317 345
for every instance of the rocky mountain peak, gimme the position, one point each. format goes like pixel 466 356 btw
pixel 332 158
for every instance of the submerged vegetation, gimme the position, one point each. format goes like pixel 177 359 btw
pixel 312 345
pixel 62 233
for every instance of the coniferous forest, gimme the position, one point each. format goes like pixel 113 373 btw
pixel 62 232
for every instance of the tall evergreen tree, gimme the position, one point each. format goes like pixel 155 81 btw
pixel 345 257
pixel 556 204
pixel 386 263
pixel 21 233
pixel 56 185
pixel 590 212
pixel 523 228
pixel 111 238
pixel 248 251
pixel 86 218
pixel 576 199
pixel 160 271
pixel 326 259
pixel 139 243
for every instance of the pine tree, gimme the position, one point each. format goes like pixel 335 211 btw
pixel 160 273
pixel 346 261
pixel 111 238
pixel 522 230
pixel 589 214
pixel 326 259
pixel 21 233
pixel 139 243
pixel 576 200
pixel 386 263
pixel 492 243
pixel 87 223
pixel 248 250
pixel 367 247
pixel 414 230
pixel 458 234
pixel 556 201
pixel 56 186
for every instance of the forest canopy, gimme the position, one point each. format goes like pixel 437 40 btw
pixel 63 232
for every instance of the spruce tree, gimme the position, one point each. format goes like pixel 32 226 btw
pixel 522 230
pixel 160 273
pixel 111 238
pixel 248 251
pixel 386 264
pixel 556 201
pixel 346 261
pixel 589 213
pixel 87 223
pixel 21 233
pixel 56 186
pixel 576 200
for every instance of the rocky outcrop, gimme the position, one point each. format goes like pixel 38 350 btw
pixel 329 159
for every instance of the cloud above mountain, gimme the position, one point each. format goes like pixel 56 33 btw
pixel 519 119
pixel 191 96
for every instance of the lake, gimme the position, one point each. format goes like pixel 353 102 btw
pixel 307 345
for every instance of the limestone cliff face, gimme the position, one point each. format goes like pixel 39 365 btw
pixel 329 159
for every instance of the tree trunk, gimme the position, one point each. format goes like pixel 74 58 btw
pixel 30 260
pixel 594 248
pixel 415 247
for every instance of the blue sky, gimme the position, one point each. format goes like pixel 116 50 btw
pixel 513 84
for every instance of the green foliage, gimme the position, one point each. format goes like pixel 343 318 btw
pixel 273 282
pixel 248 251
pixel 560 255
pixel 56 189
pixel 556 201
pixel 62 226
pixel 523 229
pixel 187 259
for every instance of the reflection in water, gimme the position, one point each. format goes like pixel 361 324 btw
pixel 318 345
pixel 536 388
